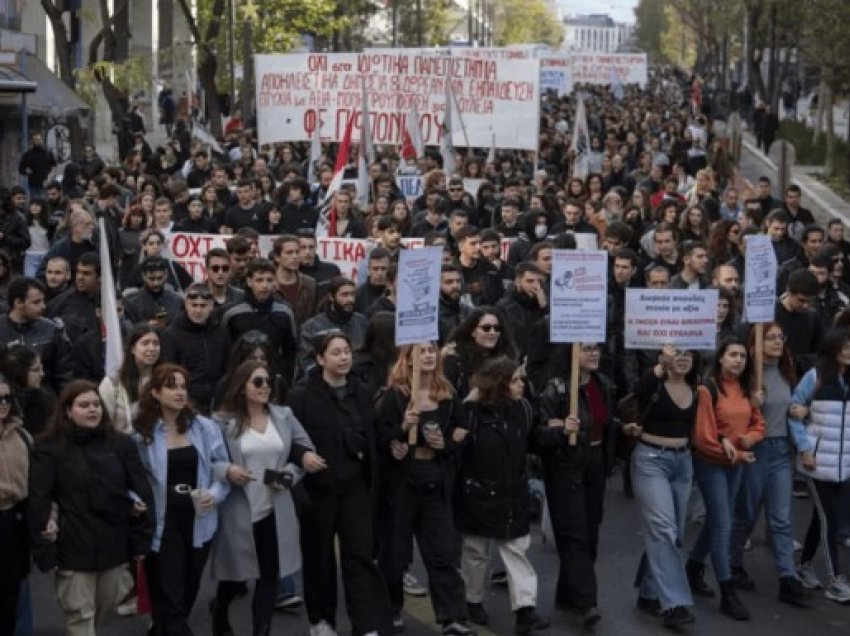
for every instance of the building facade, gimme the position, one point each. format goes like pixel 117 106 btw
pixel 597 33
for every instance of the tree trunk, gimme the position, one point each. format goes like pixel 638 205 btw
pixel 206 75
pixel 830 133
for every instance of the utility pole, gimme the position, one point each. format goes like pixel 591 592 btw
pixel 419 26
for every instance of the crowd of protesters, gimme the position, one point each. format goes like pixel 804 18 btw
pixel 268 396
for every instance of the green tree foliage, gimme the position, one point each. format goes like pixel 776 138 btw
pixel 527 21
pixel 651 22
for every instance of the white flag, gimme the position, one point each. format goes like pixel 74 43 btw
pixel 415 131
pixel 446 148
pixel 315 152
pixel 113 347
pixel 581 142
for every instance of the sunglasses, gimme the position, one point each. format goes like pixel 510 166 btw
pixel 489 328
pixel 219 268
pixel 199 295
pixel 7 398
pixel 260 381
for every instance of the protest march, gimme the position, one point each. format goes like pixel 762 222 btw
pixel 427 307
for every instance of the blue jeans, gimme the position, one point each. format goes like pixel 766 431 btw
pixel 719 485
pixel 769 480
pixel 286 586
pixel 662 483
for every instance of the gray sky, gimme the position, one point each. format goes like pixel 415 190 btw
pixel 620 10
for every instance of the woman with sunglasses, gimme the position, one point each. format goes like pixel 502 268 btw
pixel 338 416
pixel 186 461
pixel 769 479
pixel 492 501
pixel 418 482
pixel 823 447
pixel 89 477
pixel 662 474
pixel 574 474
pixel 727 429
pixel 257 537
pixel 253 345
pixel 120 396
pixel 479 337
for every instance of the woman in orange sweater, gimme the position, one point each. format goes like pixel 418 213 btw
pixel 729 424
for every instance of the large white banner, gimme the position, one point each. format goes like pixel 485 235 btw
pixel 417 313
pixel 682 317
pixel 760 281
pixel 296 91
pixel 578 296
pixel 602 68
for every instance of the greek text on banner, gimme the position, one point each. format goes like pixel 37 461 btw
pixel 685 318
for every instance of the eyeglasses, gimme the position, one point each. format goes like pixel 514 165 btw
pixel 199 295
pixel 488 328
pixel 219 268
pixel 592 349
pixel 455 189
pixel 7 398
pixel 259 381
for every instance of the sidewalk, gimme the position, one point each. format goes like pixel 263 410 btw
pixel 823 202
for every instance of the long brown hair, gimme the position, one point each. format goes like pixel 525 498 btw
pixel 786 360
pixel 401 375
pixel 235 404
pixel 493 381
pixel 150 411
pixel 61 426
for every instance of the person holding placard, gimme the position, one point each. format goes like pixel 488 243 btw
pixel 662 474
pixel 575 473
pixel 418 483
pixel 769 478
pixel 728 427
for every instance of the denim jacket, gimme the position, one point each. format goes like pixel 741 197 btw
pixel 205 436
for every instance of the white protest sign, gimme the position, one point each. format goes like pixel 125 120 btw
pixel 578 296
pixel 760 281
pixel 586 241
pixel 418 297
pixel 600 68
pixel 471 185
pixel 411 185
pixel 556 73
pixel 294 92
pixel 683 317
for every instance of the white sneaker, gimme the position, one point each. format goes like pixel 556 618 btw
pixel 748 545
pixel 808 577
pixel 128 607
pixel 846 542
pixel 322 628
pixel 412 586
pixel 799 546
pixel 838 590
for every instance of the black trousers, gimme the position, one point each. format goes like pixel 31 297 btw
pixel 14 557
pixel 346 514
pixel 575 506
pixel 265 588
pixel 425 513
pixel 174 576
pixel 826 517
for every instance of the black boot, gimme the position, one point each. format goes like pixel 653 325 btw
pixel 695 571
pixel 528 621
pixel 741 580
pixel 791 591
pixel 220 619
pixel 730 604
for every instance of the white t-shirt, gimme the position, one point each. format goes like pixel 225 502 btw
pixel 261 452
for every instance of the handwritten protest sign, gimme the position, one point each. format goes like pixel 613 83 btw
pixel 411 186
pixel 760 281
pixel 600 68
pixel 297 92
pixel 686 318
pixel 418 296
pixel 556 74
pixel 578 296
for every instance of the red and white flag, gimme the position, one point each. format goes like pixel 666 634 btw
pixel 446 148
pixel 412 146
pixel 326 225
pixel 366 154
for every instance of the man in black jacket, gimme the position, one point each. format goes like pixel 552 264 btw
pixel 197 341
pixel 36 164
pixel 525 304
pixel 153 302
pixel 296 213
pixel 451 310
pixel 480 277
pixel 76 307
pixel 14 233
pixel 24 324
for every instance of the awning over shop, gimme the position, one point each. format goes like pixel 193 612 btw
pixel 12 81
pixel 53 96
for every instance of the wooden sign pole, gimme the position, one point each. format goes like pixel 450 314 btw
pixel 759 361
pixel 415 382
pixel 574 372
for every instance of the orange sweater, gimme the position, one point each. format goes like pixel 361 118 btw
pixel 732 417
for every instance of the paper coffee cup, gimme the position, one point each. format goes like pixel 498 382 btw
pixel 197 495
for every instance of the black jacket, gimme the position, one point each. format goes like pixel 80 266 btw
pixel 492 497
pixel 16 235
pixel 300 216
pixel 90 477
pixel 341 428
pixel 77 312
pixel 50 343
pixel 520 311
pixel 203 350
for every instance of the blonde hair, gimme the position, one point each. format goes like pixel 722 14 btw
pixel 401 375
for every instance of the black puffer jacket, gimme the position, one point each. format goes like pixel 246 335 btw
pixel 89 477
pixel 491 496
pixel 203 350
